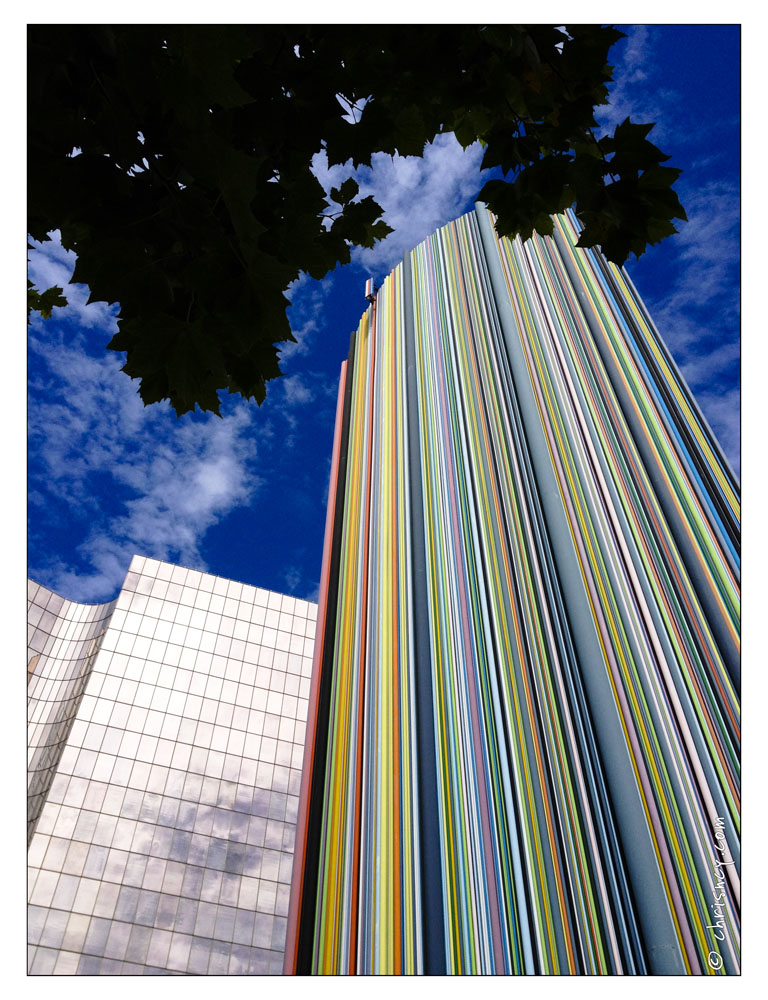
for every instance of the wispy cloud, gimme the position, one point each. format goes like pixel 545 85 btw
pixel 695 304
pixel 633 60
pixel 307 297
pixel 50 264
pixel 417 194
pixel 708 247
pixel 127 478
pixel 722 413
pixel 293 578
pixel 641 89
pixel 141 479
pixel 631 96
pixel 296 391
pixel 698 313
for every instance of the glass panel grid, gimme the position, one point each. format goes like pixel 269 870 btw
pixel 165 843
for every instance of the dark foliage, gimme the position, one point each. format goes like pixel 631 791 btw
pixel 191 201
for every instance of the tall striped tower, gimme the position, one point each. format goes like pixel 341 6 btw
pixel 522 754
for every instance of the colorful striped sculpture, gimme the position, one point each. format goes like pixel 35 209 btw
pixel 523 747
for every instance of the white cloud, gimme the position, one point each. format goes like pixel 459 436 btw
pixel 633 61
pixel 636 55
pixel 698 314
pixel 417 194
pixel 700 305
pixel 631 94
pixel 722 412
pixel 296 391
pixel 50 264
pixel 708 244
pixel 293 578
pixel 645 91
pixel 149 482
pixel 307 297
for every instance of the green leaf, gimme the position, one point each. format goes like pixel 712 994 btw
pixel 348 190
pixel 44 302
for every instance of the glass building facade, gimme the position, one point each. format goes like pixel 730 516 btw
pixel 166 746
pixel 62 642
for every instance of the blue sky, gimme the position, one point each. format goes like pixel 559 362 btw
pixel 244 497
